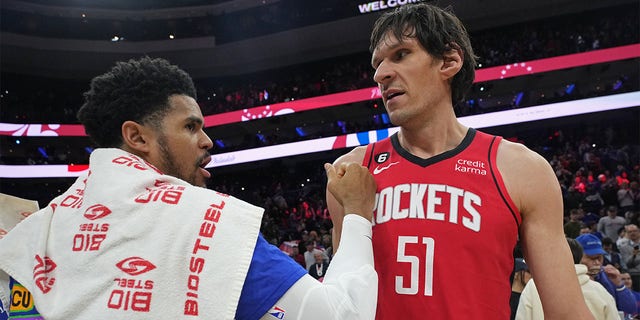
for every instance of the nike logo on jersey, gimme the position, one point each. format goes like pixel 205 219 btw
pixel 379 169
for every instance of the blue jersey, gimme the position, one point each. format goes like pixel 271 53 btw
pixel 271 274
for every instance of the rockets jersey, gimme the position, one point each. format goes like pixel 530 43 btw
pixel 444 231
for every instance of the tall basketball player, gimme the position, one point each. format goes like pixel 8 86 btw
pixel 451 201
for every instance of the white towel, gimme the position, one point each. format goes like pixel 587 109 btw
pixel 126 242
pixel 12 211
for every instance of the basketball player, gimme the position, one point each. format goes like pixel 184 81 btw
pixel 138 237
pixel 452 201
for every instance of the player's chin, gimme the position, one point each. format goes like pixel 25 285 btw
pixel 200 181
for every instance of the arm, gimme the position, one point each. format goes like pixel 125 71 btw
pixel 537 195
pixel 600 227
pixel 625 300
pixel 350 288
pixel 335 208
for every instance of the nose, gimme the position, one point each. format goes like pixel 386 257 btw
pixel 205 141
pixel 384 72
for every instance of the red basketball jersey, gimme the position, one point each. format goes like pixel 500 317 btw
pixel 444 231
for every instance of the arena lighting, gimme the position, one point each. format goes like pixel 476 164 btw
pixel 341 98
pixel 548 111
pixel 518 98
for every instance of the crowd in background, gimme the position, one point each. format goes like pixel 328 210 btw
pixel 224 25
pixel 41 100
pixel 29 99
pixel 597 168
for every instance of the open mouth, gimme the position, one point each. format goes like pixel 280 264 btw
pixel 203 165
pixel 392 94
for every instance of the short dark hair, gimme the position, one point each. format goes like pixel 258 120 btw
pixel 438 31
pixel 576 250
pixel 136 90
pixel 607 241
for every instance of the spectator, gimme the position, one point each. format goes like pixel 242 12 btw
pixel 628 282
pixel 319 268
pixel 622 237
pixel 631 217
pixel 572 227
pixel 626 197
pixel 590 218
pixel 592 200
pixel 591 228
pixel 297 256
pixel 600 302
pixel 612 257
pixel 521 277
pixel 572 199
pixel 609 187
pixel 309 258
pixel 327 244
pixel 630 251
pixel 611 223
pixel 608 276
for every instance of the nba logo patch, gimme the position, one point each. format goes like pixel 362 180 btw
pixel 277 312
pixel 382 157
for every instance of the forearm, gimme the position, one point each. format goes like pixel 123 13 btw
pixel 350 288
pixel 625 300
pixel 336 234
pixel 336 211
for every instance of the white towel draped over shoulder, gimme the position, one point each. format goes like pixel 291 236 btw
pixel 12 211
pixel 126 242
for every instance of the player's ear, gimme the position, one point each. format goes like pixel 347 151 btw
pixel 452 58
pixel 135 137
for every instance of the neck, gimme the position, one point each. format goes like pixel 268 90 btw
pixel 432 139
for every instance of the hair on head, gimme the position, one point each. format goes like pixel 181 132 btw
pixel 437 30
pixel 136 90
pixel 576 250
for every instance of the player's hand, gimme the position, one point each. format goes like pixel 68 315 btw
pixel 353 187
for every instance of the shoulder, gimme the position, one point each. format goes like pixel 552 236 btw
pixel 527 175
pixel 518 154
pixel 517 162
pixel 356 155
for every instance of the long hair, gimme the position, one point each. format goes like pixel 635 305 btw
pixel 438 31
